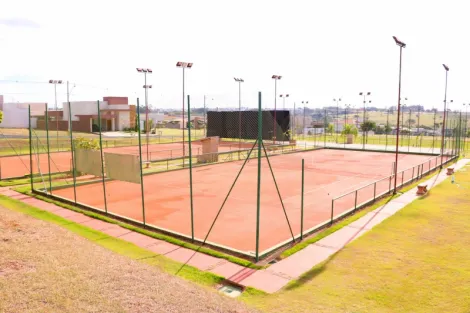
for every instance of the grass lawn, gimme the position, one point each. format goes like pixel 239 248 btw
pixel 416 261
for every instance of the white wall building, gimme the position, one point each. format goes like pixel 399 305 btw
pixel 15 115
pixel 116 113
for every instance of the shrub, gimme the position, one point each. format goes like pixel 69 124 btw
pixel 86 143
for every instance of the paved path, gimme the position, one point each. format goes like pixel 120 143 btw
pixel 269 280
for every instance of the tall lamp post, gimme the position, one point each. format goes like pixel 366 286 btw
pixel 402 45
pixel 284 107
pixel 465 105
pixel 364 117
pixel 205 115
pixel 346 107
pixel 304 103
pixel 239 81
pixel 184 65
pixel 337 116
pixel 276 78
pixel 146 71
pixel 446 68
pixel 403 104
pixel 284 100
pixel 55 83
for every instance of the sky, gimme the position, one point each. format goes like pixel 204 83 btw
pixel 322 49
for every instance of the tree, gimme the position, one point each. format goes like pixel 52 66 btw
pixel 1 117
pixel 368 126
pixel 388 129
pixel 330 129
pixel 349 130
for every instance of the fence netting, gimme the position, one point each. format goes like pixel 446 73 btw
pixel 239 176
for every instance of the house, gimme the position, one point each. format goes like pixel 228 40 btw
pixel 15 115
pixel 116 114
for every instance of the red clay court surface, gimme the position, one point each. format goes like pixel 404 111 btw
pixel 16 166
pixel 328 174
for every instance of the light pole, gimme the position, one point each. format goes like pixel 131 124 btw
pixel 465 129
pixel 409 130
pixel 205 114
pixel 276 78
pixel 402 120
pixel 146 87
pixel 337 116
pixel 184 65
pixel 284 100
pixel 304 103
pixel 434 129
pixel 284 107
pixel 55 83
pixel 446 68
pixel 239 81
pixel 346 107
pixel 402 45
pixel 419 130
pixel 364 118
pixel 387 126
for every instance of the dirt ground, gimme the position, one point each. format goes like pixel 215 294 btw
pixel 45 268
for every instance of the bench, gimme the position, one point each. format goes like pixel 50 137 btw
pixel 422 189
pixel 450 170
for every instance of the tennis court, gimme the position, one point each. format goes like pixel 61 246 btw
pixel 328 174
pixel 17 166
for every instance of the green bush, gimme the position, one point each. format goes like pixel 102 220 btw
pixel 86 143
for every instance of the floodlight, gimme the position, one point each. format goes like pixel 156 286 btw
pixel 445 67
pixel 399 43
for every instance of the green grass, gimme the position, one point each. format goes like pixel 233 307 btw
pixel 415 261
pixel 36 179
pixel 116 245
pixel 26 190
pixel 424 142
pixel 348 220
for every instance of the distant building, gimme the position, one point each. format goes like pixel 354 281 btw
pixel 15 115
pixel 116 114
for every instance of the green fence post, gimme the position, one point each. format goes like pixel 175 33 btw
pixel 74 174
pixel 332 208
pixel 102 161
pixel 140 158
pixel 355 201
pixel 258 193
pixel 302 203
pixel 190 170
pixel 30 149
pixel 48 151
pixel 375 189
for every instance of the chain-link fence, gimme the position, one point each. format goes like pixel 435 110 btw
pixel 243 179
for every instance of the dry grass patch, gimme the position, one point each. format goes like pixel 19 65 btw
pixel 47 268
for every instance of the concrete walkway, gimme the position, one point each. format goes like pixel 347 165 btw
pixel 269 280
